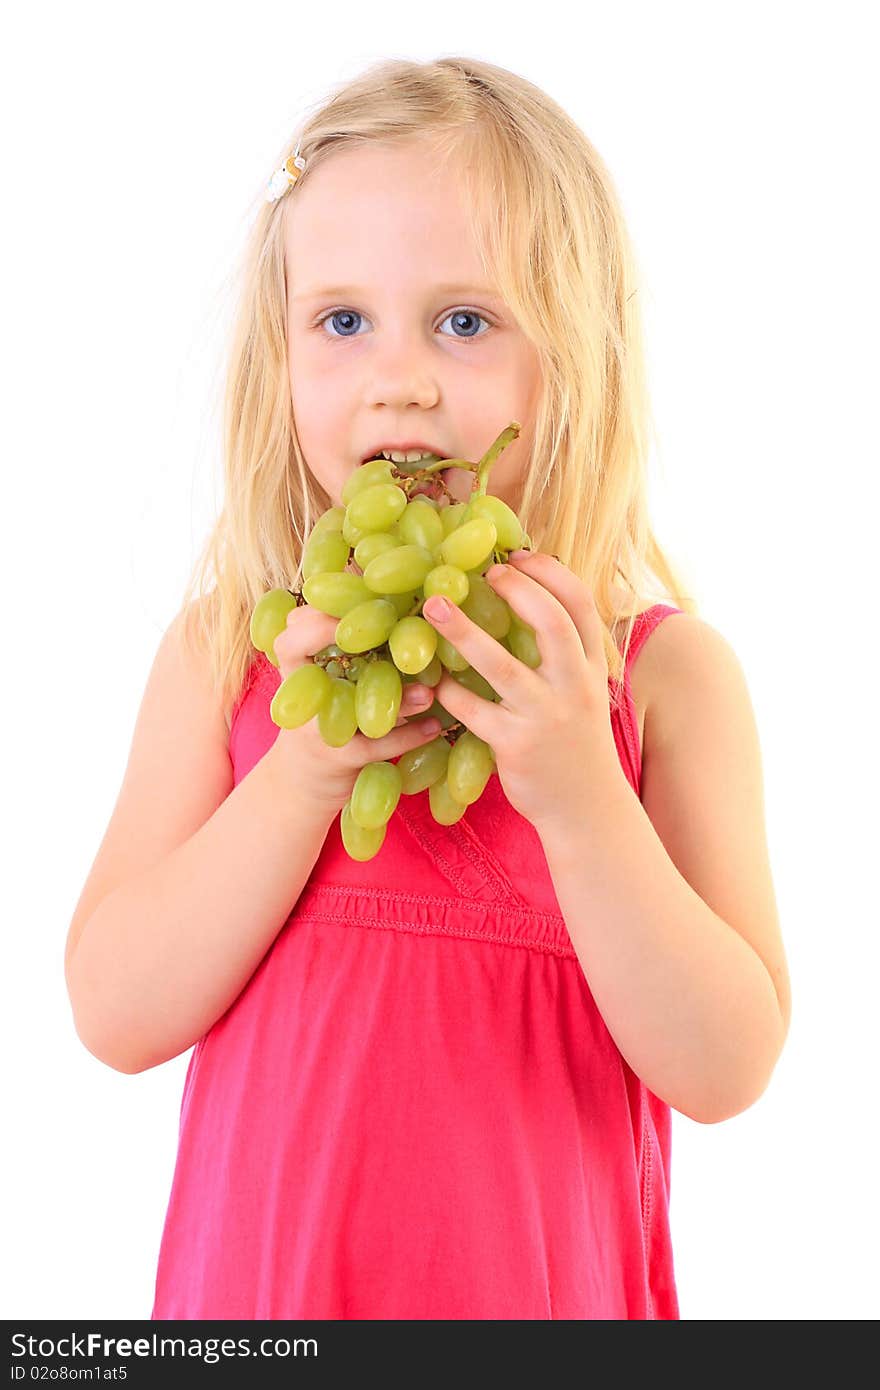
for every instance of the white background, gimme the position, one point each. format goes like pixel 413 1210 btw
pixel 742 139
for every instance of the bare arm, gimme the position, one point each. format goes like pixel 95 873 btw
pixel 165 954
pixel 195 877
pixel 680 941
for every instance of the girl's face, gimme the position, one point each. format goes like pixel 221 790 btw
pixel 393 334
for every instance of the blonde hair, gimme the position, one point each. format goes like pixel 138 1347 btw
pixel 551 234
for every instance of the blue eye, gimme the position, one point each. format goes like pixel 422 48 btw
pixel 466 314
pixel 349 314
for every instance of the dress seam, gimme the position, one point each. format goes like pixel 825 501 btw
pixel 647 1199
pixel 435 929
pixel 428 900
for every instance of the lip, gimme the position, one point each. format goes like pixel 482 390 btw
pixel 404 448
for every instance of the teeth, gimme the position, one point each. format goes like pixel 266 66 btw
pixel 411 456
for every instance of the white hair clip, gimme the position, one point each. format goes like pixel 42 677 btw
pixel 285 177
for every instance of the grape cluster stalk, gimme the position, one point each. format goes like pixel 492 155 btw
pixel 408 539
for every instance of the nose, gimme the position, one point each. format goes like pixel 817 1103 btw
pixel 400 373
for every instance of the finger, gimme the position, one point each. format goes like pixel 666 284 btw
pixel 550 598
pixel 478 714
pixel 572 593
pixel 413 733
pixel 308 631
pixel 511 678
pixel 415 700
pixel 416 695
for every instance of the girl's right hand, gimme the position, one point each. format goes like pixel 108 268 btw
pixel 315 769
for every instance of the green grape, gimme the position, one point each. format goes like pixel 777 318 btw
pixel 419 767
pixel 452 659
pixel 269 619
pixel 437 711
pixel 486 608
pixel 374 795
pixel 480 571
pixel 359 844
pixel 469 544
pixel 444 808
pixel 448 580
pixel 378 695
pixel 356 667
pixel 420 524
pixel 507 524
pixel 337 717
pixel 522 642
pixel 373 545
pixel 399 569
pixel 334 593
pixel 333 663
pixel 473 681
pixel 366 475
pixel 366 625
pixel 413 643
pixel 326 551
pixel 331 520
pixel 432 672
pixel 300 696
pixel 376 508
pixel 402 602
pixel 353 534
pixel 452 516
pixel 469 769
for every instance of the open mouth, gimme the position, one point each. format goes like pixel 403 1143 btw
pixel 441 486
pixel 430 485
pixel 410 467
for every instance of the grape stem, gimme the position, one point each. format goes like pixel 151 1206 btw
pixel 507 436
pixel 410 481
pixel 480 469
pixel 454 730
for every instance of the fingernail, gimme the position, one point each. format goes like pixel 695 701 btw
pixel 518 554
pixel 439 609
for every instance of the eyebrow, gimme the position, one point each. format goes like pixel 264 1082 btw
pixel 339 291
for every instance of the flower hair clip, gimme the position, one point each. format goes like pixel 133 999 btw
pixel 285 177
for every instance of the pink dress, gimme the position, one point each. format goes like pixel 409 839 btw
pixel 414 1109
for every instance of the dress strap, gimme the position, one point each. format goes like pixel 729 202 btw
pixel 643 626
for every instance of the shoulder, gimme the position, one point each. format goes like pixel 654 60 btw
pixel 683 660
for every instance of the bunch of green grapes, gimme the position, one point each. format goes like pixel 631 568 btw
pixel 406 545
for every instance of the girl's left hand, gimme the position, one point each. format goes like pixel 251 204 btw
pixel 551 730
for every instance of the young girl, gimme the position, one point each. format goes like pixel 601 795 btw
pixel 438 1083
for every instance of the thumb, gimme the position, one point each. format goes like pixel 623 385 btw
pixel 308 631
